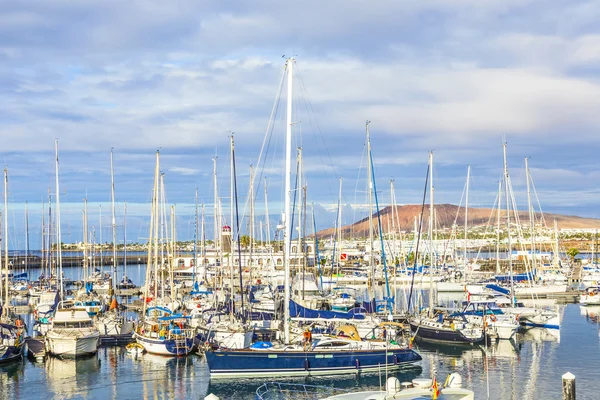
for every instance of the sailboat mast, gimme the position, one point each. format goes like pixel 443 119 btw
pixel 101 241
pixel 430 232
pixel 506 189
pixel 268 229
pixel 43 265
pixel 370 190
pixel 466 220
pixel 339 225
pixel 287 194
pixel 85 242
pixel 233 232
pixel 114 224
pixel 216 211
pixel 531 216
pixel 196 239
pixel 203 245
pixel 251 233
pixel 58 233
pixel 498 227
pixel 5 308
pixel 125 240
pixel 26 237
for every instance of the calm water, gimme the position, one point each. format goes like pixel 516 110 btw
pixel 531 367
pixel 527 368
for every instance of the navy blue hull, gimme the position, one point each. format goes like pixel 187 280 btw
pixel 11 354
pixel 244 363
pixel 436 335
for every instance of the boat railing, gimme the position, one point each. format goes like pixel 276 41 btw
pixel 294 391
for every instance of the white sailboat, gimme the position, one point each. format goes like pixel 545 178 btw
pixel 71 333
pixel 114 322
pixel 160 330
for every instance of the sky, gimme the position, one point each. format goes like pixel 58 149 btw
pixel 458 78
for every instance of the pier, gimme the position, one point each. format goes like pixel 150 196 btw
pixel 20 262
pixel 36 349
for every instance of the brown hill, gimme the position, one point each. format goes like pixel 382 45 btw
pixel 448 214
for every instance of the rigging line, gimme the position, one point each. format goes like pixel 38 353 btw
pixel 360 166
pixel 239 242
pixel 418 239
pixel 270 127
pixel 454 226
pixel 294 202
pixel 489 223
pixel 310 111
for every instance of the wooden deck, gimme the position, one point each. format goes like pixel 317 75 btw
pixel 36 349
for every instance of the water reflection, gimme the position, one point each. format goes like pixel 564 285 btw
pixel 591 313
pixel 242 388
pixel 540 335
pixel 68 378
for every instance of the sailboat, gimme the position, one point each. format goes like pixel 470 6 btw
pixel 114 322
pixel 329 355
pixel 71 332
pixel 12 331
pixel 160 330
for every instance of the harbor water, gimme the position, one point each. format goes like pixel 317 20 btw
pixel 528 367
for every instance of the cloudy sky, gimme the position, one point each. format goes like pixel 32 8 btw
pixel 456 77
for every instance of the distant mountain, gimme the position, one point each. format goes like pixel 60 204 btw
pixel 448 214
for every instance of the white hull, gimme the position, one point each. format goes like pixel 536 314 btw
pixel 587 300
pixel 114 327
pixel 543 289
pixel 69 346
pixel 160 347
pixel 453 287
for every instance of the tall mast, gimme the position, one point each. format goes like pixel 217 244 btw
pixel 216 211
pixel 114 223
pixel 430 232
pixel 233 232
pixel 5 308
pixel 58 233
pixel 393 230
pixel 506 189
pixel 287 211
pixel 26 237
pixel 339 224
pixel 370 190
pixel 101 242
pixel 498 227
pixel 85 242
pixel 196 240
pixel 268 229
pixel 251 234
pixel 203 246
pixel 125 240
pixel 466 218
pixel 531 217
pixel 152 265
pixel 43 265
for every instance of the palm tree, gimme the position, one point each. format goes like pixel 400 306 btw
pixel 572 252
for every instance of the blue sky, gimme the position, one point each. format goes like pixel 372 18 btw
pixel 454 77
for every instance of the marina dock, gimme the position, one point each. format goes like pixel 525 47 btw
pixel 36 349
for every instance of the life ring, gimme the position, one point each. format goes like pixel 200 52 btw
pixel 493 318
